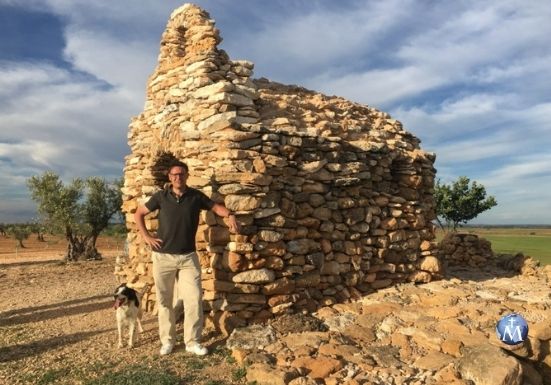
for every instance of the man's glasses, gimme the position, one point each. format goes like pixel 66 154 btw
pixel 179 175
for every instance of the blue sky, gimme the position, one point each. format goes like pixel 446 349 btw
pixel 471 79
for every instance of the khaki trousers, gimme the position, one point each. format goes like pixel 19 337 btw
pixel 184 271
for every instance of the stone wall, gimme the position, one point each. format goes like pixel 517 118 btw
pixel 334 198
pixel 461 249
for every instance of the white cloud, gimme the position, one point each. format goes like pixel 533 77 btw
pixel 523 168
pixel 56 120
pixel 481 33
pixel 521 190
pixel 32 153
pixel 119 63
pixel 470 150
pixel 378 87
pixel 459 117
pixel 473 104
pixel 514 69
pixel 470 45
pixel 318 37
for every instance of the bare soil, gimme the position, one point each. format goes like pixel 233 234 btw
pixel 57 324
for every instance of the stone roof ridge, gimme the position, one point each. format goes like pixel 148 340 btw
pixel 189 37
pixel 183 9
pixel 269 84
pixel 294 108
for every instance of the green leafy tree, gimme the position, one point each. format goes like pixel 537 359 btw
pixel 20 232
pixel 80 210
pixel 460 201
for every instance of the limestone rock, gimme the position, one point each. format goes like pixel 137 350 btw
pixel 266 375
pixel 319 367
pixel 488 365
pixel 430 264
pixel 254 276
pixel 250 337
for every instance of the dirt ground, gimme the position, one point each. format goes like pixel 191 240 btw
pixel 57 324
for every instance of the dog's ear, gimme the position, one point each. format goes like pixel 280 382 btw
pixel 119 289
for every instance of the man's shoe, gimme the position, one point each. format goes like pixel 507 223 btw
pixel 197 349
pixel 166 349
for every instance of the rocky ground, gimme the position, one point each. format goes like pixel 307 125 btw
pixel 57 326
pixel 437 333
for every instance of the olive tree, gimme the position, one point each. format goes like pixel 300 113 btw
pixel 20 232
pixel 460 201
pixel 80 210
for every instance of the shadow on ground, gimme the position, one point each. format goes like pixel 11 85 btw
pixel 47 312
pixel 16 352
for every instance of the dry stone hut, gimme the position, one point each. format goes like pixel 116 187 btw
pixel 335 198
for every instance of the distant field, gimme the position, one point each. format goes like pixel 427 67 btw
pixel 535 242
pixel 54 247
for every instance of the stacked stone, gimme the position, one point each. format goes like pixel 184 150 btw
pixel 194 87
pixel 440 333
pixel 459 249
pixel 318 227
pixel 334 198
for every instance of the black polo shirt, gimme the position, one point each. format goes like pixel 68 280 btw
pixel 178 218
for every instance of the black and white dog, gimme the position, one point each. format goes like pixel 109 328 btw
pixel 128 312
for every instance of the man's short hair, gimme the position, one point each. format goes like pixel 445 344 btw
pixel 178 163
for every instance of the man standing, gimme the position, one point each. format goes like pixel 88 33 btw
pixel 174 257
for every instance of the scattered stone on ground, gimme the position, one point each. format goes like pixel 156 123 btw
pixel 438 333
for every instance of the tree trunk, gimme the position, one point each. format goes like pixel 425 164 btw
pixel 81 248
pixel 75 249
pixel 75 246
pixel 90 251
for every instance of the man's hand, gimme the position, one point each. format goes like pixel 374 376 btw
pixel 221 210
pixel 139 216
pixel 233 225
pixel 155 243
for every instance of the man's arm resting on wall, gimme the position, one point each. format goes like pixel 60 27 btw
pixel 221 210
pixel 139 216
